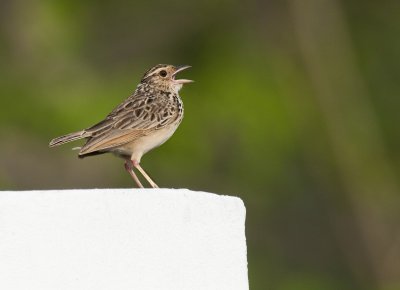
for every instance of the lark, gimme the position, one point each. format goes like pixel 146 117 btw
pixel 144 121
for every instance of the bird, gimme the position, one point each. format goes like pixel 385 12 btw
pixel 142 122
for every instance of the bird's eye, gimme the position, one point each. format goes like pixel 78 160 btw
pixel 163 73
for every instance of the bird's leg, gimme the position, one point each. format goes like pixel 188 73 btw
pixel 128 167
pixel 145 175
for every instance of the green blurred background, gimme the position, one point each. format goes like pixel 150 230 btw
pixel 295 109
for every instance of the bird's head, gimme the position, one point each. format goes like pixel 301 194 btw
pixel 162 76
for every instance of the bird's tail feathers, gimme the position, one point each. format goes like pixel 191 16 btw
pixel 67 138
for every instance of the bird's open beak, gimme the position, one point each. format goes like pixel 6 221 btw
pixel 179 69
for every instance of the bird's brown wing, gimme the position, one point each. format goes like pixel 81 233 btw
pixel 131 120
pixel 114 139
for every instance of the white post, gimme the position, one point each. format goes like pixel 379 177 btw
pixel 122 239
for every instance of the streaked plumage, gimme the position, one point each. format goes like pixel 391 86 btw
pixel 142 122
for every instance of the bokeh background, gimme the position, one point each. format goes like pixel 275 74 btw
pixel 295 109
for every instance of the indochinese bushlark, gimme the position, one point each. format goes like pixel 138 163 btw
pixel 142 122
